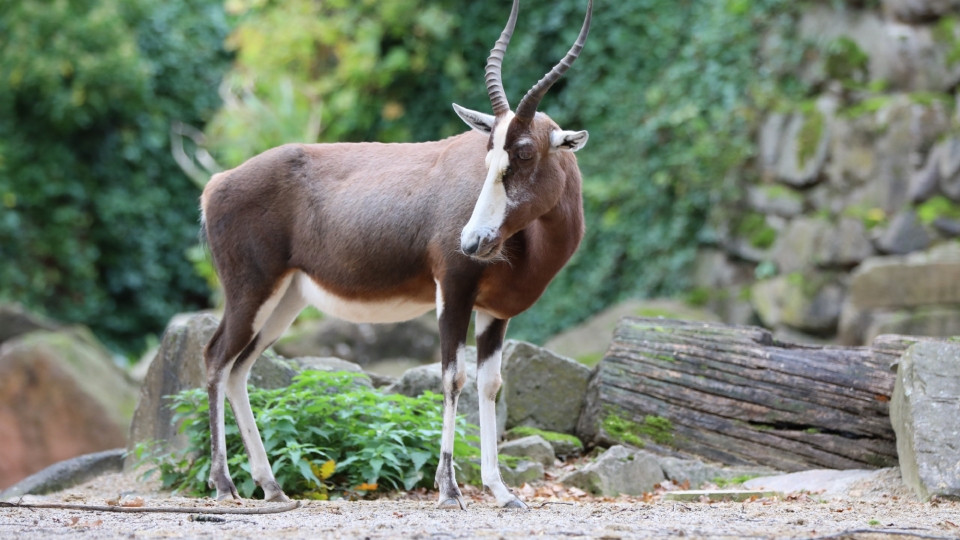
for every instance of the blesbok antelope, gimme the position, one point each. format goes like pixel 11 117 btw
pixel 372 232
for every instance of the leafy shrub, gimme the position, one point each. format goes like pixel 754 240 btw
pixel 96 215
pixel 325 435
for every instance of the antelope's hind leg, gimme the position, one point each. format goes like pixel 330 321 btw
pixel 283 313
pixel 244 316
pixel 490 332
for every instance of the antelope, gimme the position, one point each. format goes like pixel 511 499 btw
pixel 371 232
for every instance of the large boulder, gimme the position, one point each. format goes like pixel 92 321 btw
pixel 429 377
pixel 587 341
pixel 918 279
pixel 697 473
pixel 61 396
pixel 17 321
pixel 619 470
pixel 541 389
pixel 923 411
pixel 905 234
pixel 363 344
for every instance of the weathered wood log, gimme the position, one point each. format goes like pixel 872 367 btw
pixel 735 395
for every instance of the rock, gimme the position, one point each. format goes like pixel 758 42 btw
pixel 587 341
pixel 564 446
pixel 810 302
pixel 919 11
pixel 847 245
pixel 947 227
pixel 17 321
pixel 364 343
pixel 770 142
pixel 923 411
pixel 380 381
pixel 325 364
pixel 67 474
pixel 798 244
pixel 925 278
pixel 696 472
pixel 61 396
pixel 533 380
pixel 905 234
pixel 533 447
pixel 936 321
pixel 795 167
pixel 923 183
pixel 420 379
pixel 827 482
pixel 178 366
pixel 775 199
pixel 618 470
pixel 525 471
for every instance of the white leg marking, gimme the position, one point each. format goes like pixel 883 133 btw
pixel 453 380
pixel 481 323
pixel 439 300
pixel 488 382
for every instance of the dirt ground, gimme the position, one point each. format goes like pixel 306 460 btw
pixel 883 505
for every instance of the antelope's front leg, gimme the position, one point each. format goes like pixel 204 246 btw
pixel 490 332
pixel 453 310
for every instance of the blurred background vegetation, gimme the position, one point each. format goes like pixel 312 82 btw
pixel 97 219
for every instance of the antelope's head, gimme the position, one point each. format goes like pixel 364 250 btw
pixel 524 148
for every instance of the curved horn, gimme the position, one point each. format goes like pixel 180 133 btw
pixel 528 105
pixel 498 98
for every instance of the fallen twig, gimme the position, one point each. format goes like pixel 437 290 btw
pixel 205 517
pixel 848 534
pixel 157 509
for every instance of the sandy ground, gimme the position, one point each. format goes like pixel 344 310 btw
pixel 882 505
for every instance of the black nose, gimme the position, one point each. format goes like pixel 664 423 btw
pixel 472 248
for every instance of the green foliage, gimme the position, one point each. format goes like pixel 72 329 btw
pixel 735 481
pixel 96 214
pixel 375 441
pixel 936 207
pixel 655 428
pixel 664 87
pixel 755 229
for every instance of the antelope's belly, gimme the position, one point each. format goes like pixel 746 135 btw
pixel 387 310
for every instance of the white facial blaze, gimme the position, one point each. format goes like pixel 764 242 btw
pixel 491 208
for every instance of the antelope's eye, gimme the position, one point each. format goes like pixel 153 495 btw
pixel 525 155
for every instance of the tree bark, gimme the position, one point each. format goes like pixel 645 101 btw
pixel 735 395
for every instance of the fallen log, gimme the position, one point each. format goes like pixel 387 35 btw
pixel 735 395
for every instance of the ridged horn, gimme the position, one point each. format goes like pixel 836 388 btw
pixel 498 98
pixel 528 105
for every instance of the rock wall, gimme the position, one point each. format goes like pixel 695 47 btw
pixel 847 220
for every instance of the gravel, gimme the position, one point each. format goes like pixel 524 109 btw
pixel 882 506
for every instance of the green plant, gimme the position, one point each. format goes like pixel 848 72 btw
pixel 808 140
pixel 754 228
pixel 96 213
pixel 735 481
pixel 655 428
pixel 936 207
pixel 373 441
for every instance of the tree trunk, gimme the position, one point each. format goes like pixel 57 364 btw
pixel 734 395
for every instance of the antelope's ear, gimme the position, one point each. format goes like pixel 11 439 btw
pixel 567 140
pixel 477 120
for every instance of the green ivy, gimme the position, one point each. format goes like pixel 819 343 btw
pixel 96 215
